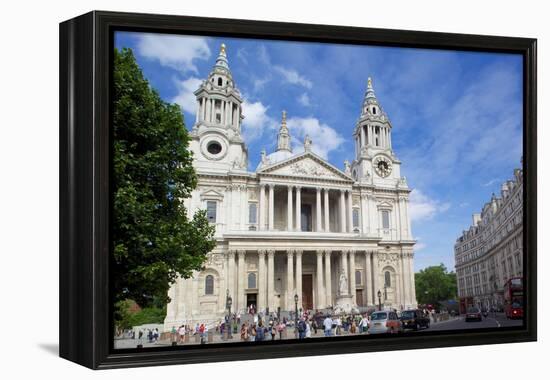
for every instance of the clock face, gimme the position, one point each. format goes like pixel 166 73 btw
pixel 382 166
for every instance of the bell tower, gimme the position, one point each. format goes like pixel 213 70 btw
pixel 217 142
pixel 374 158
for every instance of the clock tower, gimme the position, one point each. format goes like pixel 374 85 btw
pixel 217 143
pixel 375 161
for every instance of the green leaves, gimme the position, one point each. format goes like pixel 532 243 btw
pixel 154 242
pixel 434 284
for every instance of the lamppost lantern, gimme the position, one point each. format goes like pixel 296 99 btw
pixel 296 298
pixel 229 303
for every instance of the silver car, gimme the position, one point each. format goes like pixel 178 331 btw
pixel 382 322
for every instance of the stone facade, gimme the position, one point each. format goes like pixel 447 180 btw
pixel 491 251
pixel 297 223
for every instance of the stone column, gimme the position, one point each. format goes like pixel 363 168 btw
pixel 350 211
pixel 289 279
pixel 352 275
pixel 327 204
pixel 261 223
pixel 261 285
pixel 363 140
pixel 231 273
pixel 411 277
pixel 299 276
pixel 289 209
pixel 318 210
pixel 344 265
pixel 368 278
pixel 299 213
pixel 406 279
pixel 375 277
pixel 271 279
pixel 271 207
pixel 195 293
pixel 241 277
pixel 320 301
pixel 342 211
pixel 328 279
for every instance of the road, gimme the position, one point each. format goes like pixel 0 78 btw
pixel 492 321
pixel 498 320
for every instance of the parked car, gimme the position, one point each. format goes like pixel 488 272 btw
pixel 382 322
pixel 414 319
pixel 473 314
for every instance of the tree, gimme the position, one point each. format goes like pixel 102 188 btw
pixel 434 285
pixel 154 240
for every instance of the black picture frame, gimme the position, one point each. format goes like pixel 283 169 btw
pixel 86 45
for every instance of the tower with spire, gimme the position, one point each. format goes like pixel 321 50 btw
pixel 217 140
pixel 283 138
pixel 374 157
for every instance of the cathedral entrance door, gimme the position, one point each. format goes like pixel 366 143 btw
pixel 306 218
pixel 307 291
pixel 359 297
pixel 251 299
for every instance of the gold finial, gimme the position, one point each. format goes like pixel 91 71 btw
pixel 222 49
pixel 369 82
pixel 284 116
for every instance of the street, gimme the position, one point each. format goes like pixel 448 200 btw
pixel 458 323
pixel 498 320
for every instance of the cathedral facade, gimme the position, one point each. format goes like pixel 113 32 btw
pixel 298 229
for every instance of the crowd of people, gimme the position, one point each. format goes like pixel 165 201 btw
pixel 262 326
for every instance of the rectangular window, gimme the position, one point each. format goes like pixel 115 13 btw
pixel 355 218
pixel 211 211
pixel 252 212
pixel 385 219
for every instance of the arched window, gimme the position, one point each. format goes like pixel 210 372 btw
pixel 387 279
pixel 357 277
pixel 252 281
pixel 209 284
pixel 220 81
pixel 374 110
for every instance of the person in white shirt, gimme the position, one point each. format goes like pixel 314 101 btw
pixel 327 324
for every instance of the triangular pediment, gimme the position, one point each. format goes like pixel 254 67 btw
pixel 211 194
pixel 306 165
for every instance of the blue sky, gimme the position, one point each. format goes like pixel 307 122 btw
pixel 456 116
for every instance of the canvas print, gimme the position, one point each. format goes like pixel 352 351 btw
pixel 269 191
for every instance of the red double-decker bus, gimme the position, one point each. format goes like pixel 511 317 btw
pixel 513 297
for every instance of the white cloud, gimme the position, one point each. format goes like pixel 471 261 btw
pixel 293 77
pixel 185 97
pixel 259 83
pixel 304 100
pixel 491 182
pixel 419 246
pixel 256 120
pixel 325 139
pixel 422 207
pixel 177 52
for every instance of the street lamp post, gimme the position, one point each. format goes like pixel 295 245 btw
pixel 296 315
pixel 228 303
pixel 379 300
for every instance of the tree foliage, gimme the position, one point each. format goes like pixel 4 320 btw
pixel 434 285
pixel 154 240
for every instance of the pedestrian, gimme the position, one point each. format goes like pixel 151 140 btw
pixel 338 323
pixel 301 328
pixel 314 325
pixel 308 330
pixel 280 328
pixel 140 334
pixel 327 324
pixel 181 332
pixel 273 329
pixel 260 331
pixel 156 335
pixel 244 332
